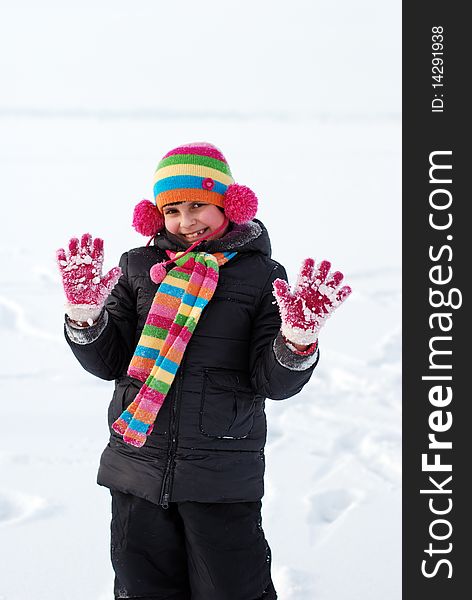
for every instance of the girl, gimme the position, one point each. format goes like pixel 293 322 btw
pixel 189 330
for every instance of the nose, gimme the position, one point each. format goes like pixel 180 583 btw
pixel 187 220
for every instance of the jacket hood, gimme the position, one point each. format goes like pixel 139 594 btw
pixel 247 237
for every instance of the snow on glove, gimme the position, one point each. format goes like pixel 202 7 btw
pixel 315 296
pixel 81 270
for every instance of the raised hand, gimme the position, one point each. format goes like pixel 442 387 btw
pixel 316 295
pixel 85 287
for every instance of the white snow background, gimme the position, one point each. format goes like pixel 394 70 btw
pixel 303 97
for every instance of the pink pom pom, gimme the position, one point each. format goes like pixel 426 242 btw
pixel 147 220
pixel 157 272
pixel 240 203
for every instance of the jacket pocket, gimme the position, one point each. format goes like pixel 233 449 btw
pixel 126 390
pixel 228 404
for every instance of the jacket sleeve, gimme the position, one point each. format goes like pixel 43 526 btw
pixel 106 348
pixel 276 371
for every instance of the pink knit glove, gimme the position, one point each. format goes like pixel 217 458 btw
pixel 81 270
pixel 315 297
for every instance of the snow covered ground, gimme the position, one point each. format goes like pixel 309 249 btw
pixel 303 99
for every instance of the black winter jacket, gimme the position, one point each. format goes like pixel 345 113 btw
pixel 208 440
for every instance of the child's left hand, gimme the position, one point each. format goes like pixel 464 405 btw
pixel 314 298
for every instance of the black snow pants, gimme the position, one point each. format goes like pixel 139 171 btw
pixel 189 551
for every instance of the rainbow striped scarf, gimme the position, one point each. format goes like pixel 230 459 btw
pixel 171 321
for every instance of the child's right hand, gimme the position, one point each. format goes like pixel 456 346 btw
pixel 81 270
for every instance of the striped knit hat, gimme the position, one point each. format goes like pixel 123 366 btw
pixel 195 172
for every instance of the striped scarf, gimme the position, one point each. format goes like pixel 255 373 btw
pixel 171 321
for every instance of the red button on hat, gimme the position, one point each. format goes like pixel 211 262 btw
pixel 208 183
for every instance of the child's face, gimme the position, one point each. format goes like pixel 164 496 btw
pixel 190 221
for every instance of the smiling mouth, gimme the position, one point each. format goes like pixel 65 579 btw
pixel 193 236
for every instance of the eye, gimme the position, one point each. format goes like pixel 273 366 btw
pixel 169 211
pixel 198 204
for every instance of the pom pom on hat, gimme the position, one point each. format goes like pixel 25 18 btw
pixel 240 203
pixel 147 220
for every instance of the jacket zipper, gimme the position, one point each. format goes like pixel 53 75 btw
pixel 166 480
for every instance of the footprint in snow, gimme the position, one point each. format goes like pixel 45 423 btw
pixel 8 315
pixel 326 508
pixel 16 507
pixel 293 584
pixel 389 351
pixel 381 454
pixel 12 318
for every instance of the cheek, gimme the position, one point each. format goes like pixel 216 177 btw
pixel 214 218
pixel 171 225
